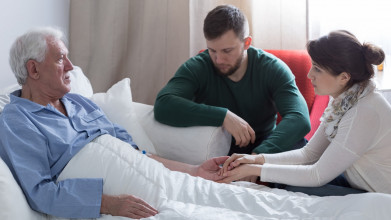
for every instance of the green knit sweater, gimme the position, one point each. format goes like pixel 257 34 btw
pixel 196 95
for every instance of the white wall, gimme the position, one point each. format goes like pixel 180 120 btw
pixel 18 16
pixel 279 24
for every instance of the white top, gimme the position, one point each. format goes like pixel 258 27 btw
pixel 361 148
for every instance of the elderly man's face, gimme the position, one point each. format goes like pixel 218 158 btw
pixel 53 71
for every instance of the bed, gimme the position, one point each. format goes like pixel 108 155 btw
pixel 177 195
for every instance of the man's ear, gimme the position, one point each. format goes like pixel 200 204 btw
pixel 247 42
pixel 32 71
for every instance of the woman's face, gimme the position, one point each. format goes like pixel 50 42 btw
pixel 325 83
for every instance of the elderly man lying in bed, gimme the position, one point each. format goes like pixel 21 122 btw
pixel 44 127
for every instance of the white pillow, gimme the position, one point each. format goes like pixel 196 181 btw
pixel 79 84
pixel 4 95
pixel 118 106
pixel 191 145
pixel 13 202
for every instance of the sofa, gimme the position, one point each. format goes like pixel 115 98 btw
pixel 214 139
pixel 217 144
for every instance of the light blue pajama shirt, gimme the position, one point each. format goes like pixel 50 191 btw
pixel 37 142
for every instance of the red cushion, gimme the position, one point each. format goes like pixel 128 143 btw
pixel 300 63
pixel 320 103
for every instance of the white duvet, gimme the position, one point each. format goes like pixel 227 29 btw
pixel 180 196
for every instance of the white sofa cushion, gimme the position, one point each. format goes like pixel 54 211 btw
pixel 192 145
pixel 5 95
pixel 13 202
pixel 80 84
pixel 118 106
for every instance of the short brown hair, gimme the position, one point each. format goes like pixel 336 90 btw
pixel 222 19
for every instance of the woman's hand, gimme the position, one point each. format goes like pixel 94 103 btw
pixel 240 172
pixel 236 159
pixel 127 206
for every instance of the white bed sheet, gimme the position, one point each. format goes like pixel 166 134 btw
pixel 180 196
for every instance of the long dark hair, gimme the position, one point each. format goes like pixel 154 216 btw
pixel 340 51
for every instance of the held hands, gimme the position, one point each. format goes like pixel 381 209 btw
pixel 236 159
pixel 242 167
pixel 241 172
pixel 212 170
pixel 126 206
pixel 239 129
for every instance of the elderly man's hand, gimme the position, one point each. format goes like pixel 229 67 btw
pixel 210 169
pixel 126 206
pixel 239 129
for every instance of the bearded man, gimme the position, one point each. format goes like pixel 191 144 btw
pixel 236 86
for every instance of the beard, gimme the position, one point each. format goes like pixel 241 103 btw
pixel 231 70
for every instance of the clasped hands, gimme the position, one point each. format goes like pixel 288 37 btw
pixel 241 167
pixel 236 167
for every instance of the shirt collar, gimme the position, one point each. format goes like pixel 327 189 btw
pixel 32 106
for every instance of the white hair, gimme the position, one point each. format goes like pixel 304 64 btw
pixel 31 46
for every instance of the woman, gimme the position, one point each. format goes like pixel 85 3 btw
pixel 354 138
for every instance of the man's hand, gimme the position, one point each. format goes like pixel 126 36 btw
pixel 239 129
pixel 126 206
pixel 210 169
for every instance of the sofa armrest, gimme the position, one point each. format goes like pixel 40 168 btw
pixel 320 104
pixel 191 145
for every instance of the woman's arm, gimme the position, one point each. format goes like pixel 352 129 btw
pixel 355 136
pixel 306 155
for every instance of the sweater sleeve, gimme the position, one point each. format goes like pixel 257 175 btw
pixel 175 102
pixel 291 105
pixel 352 141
